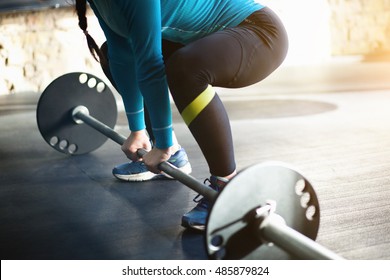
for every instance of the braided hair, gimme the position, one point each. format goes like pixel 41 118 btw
pixel 81 9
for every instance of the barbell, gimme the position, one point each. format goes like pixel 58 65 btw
pixel 268 211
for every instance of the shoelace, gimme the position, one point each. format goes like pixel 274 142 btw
pixel 199 198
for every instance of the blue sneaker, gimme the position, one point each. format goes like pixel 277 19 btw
pixel 136 171
pixel 197 217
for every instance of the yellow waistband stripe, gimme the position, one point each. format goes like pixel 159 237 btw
pixel 197 105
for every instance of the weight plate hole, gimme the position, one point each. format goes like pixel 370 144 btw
pixel 63 144
pixel 54 140
pixel 311 212
pixel 100 87
pixel 300 186
pixel 305 199
pixel 217 241
pixel 92 82
pixel 83 78
pixel 72 148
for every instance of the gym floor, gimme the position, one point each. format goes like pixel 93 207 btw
pixel 330 122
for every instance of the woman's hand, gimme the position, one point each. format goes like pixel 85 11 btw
pixel 140 140
pixel 153 158
pixel 137 140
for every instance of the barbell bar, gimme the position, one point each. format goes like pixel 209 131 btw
pixel 81 113
pixel 272 227
pixel 248 229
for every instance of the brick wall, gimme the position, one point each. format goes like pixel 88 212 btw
pixel 38 46
pixel 360 26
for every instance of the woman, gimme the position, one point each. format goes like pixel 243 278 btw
pixel 191 46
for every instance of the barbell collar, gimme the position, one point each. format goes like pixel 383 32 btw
pixel 79 109
pixel 274 229
pixel 81 113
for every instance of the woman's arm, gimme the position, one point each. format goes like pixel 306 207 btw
pixel 144 26
pixel 123 70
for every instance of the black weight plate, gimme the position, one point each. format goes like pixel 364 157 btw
pixel 228 236
pixel 54 112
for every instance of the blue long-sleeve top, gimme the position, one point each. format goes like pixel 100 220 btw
pixel 134 30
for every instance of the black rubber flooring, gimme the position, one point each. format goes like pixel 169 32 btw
pixel 55 206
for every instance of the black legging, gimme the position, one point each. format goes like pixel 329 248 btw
pixel 232 58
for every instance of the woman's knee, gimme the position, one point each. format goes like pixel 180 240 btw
pixel 184 69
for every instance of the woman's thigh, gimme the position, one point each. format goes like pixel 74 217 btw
pixel 234 57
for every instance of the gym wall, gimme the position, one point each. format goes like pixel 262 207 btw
pixel 37 44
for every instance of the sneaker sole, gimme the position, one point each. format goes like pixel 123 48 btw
pixel 193 227
pixel 148 176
